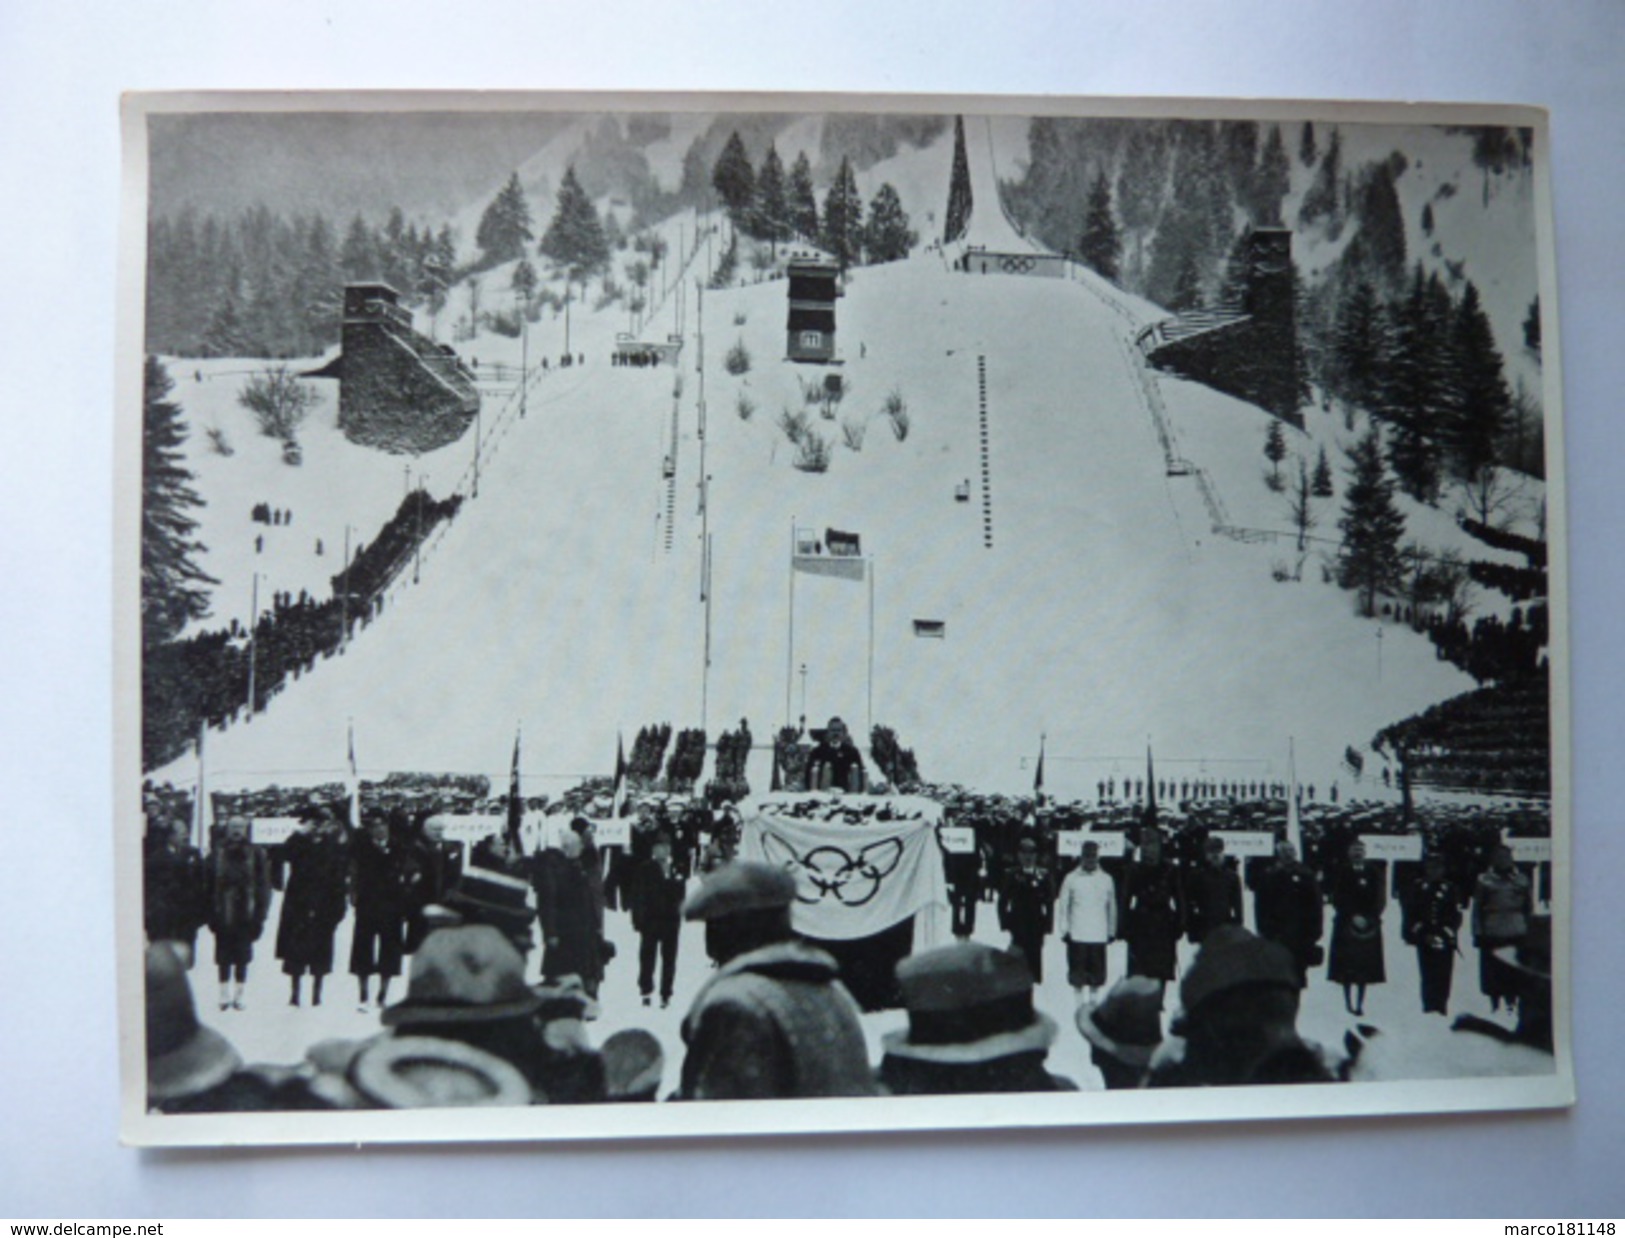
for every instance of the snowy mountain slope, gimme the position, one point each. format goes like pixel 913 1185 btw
pixel 1104 615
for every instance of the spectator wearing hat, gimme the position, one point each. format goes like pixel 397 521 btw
pixel 483 896
pixel 1287 906
pixel 1087 917
pixel 1358 900
pixel 174 889
pixel 835 762
pixel 657 917
pixel 1124 1031
pixel 1153 911
pixel 430 1072
pixel 1432 918
pixel 468 985
pixel 1238 1023
pixel 1502 905
pixel 569 919
pixel 1027 906
pixel 1213 892
pixel 239 902
pixel 194 1069
pixel 971 1026
pixel 774 1021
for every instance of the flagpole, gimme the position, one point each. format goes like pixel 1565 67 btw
pixel 1294 827
pixel 871 645
pixel 253 623
pixel 790 621
pixel 202 783
pixel 355 782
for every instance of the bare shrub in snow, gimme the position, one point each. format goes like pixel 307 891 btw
pixel 737 361
pixel 895 410
pixel 812 453
pixel 795 425
pixel 218 442
pixel 744 406
pixel 852 433
pixel 279 402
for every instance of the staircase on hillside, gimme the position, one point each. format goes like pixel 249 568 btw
pixel 987 469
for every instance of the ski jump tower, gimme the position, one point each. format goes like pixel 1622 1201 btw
pixel 398 390
pixel 1248 350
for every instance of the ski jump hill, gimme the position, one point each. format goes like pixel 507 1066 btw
pixel 1023 511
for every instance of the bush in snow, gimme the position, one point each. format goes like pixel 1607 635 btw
pixel 794 425
pixel 737 361
pixel 852 433
pixel 744 406
pixel 812 453
pixel 279 402
pixel 896 411
pixel 218 441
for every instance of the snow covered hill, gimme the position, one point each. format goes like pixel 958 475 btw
pixel 1105 614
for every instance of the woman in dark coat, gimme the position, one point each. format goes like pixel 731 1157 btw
pixel 1358 901
pixel 1153 915
pixel 239 901
pixel 313 904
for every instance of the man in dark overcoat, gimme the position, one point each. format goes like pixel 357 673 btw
pixel 174 889
pixel 1153 911
pixel 1287 905
pixel 379 878
pixel 1212 893
pixel 315 861
pixel 1432 919
pixel 565 910
pixel 657 916
pixel 1027 906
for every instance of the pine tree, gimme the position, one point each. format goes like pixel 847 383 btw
pixel 1322 487
pixel 524 281
pixel 959 195
pixel 358 257
pixel 843 218
pixel 803 199
pixel 575 237
pixel 1481 401
pixel 1275 451
pixel 173 591
pixel 735 181
pixel 1301 504
pixel 1274 181
pixel 1308 151
pixel 887 236
pixel 1531 328
pixel 1371 525
pixel 771 215
pixel 1100 246
pixel 505 228
pixel 1358 345
pixel 1382 227
pixel 1413 395
pixel 1427 219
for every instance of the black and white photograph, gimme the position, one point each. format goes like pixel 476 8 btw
pixel 661 615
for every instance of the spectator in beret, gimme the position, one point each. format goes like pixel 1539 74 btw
pixel 1124 1030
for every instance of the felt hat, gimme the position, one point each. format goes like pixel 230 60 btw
pixel 183 1056
pixel 1128 1024
pixel 968 1003
pixel 425 1072
pixel 487 896
pixel 1231 957
pixel 633 1063
pixel 468 974
pixel 734 888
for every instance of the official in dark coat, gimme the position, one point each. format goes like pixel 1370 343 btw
pixel 239 902
pixel 1358 901
pixel 657 917
pixel 174 891
pixel 379 880
pixel 963 870
pixel 1432 920
pixel 564 909
pixel 1212 893
pixel 1153 912
pixel 1288 908
pixel 835 763
pixel 1027 907
pixel 313 904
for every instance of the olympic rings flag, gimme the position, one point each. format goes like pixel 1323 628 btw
pixel 861 863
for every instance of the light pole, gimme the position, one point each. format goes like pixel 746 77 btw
pixel 417 549
pixel 803 694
